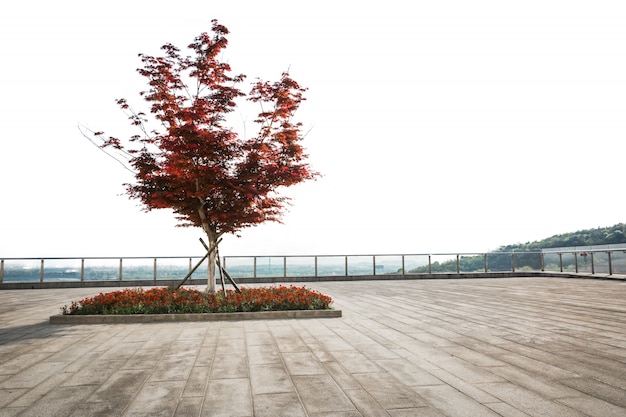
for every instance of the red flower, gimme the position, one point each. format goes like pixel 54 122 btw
pixel 184 300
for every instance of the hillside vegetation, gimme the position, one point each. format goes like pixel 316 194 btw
pixel 531 260
pixel 588 237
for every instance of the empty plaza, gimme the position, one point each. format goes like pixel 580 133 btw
pixel 416 347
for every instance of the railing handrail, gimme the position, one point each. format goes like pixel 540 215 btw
pixel 577 249
pixel 56 258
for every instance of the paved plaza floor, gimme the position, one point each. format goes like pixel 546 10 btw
pixel 514 347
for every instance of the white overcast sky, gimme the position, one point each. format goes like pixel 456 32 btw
pixel 439 126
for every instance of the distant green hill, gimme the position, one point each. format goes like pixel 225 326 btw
pixel 589 237
pixel 529 261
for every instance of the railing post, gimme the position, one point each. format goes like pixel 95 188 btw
pixel 430 266
pixel 485 263
pixel 41 272
pixel 403 270
pixel 593 267
pixel 610 263
pixel 1 270
pixel 284 266
pixel 316 267
pixel 120 276
pixel 543 265
pixel 345 265
pixel 561 261
pixel 374 263
pixel 513 262
pixel 154 270
pixel 458 264
pixel 82 270
pixel 254 267
pixel 576 261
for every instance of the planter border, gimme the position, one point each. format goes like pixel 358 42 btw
pixel 164 318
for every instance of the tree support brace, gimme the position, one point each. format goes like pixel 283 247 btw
pixel 222 270
pixel 180 284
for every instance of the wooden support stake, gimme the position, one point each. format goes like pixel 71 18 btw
pixel 180 284
pixel 223 274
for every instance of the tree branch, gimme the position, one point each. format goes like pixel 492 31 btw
pixel 122 163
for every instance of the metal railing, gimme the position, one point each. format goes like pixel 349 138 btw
pixel 155 269
pixel 98 269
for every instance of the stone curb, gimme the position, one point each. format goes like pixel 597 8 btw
pixel 161 318
pixel 297 280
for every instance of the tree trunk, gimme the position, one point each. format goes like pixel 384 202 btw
pixel 213 242
pixel 211 261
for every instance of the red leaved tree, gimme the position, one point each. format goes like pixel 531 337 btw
pixel 197 166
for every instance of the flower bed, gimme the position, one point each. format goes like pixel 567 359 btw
pixel 167 300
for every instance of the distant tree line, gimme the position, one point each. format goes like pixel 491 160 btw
pixel 589 237
pixel 526 256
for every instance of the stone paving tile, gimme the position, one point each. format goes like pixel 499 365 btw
pixel 598 389
pixel 189 406
pixel 615 377
pixel 290 343
pixel 376 351
pixel 466 388
pixel 598 357
pixel 9 395
pixel 415 412
pixel 320 394
pixel 506 410
pixel 530 402
pixel 172 368
pixel 21 362
pixel 352 413
pixel 263 354
pixel 407 372
pixel 120 388
pixel 546 387
pixel 257 338
pixel 320 352
pixel 228 398
pixel 89 376
pixel 511 347
pixel 196 383
pixel 60 401
pixel 355 362
pixel 593 406
pixel 270 379
pixel 452 402
pixel 279 404
pixel 234 365
pixel 35 394
pixel 334 343
pixel 144 359
pixel 205 356
pixel 158 399
pixel 341 377
pixel 365 403
pixel 302 363
pixel 33 375
pixel 471 356
pixel 388 391
pixel 539 367
pixel 10 412
pixel 466 371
